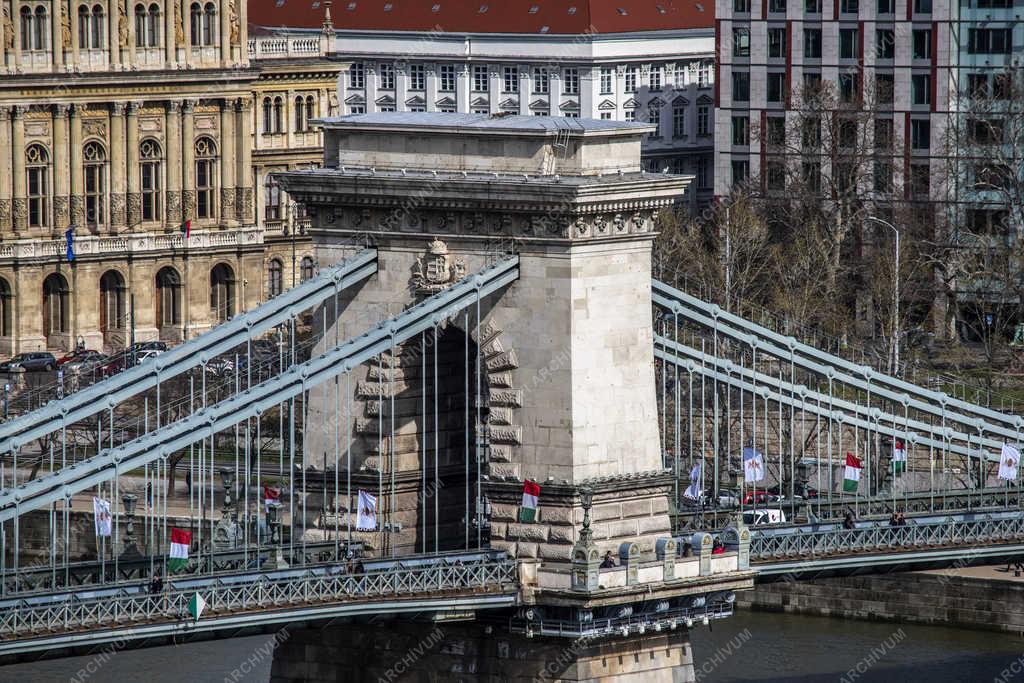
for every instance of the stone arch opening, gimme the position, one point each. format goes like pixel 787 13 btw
pixel 113 309
pixel 56 310
pixel 222 292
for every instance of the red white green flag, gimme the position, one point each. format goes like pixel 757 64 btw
pixel 851 477
pixel 177 558
pixel 899 457
pixel 186 228
pixel 531 492
pixel 271 495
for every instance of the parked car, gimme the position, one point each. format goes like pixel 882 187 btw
pixel 89 361
pixel 36 361
pixel 78 357
pixel 801 491
pixel 764 516
pixel 759 497
pixel 140 347
pixel 113 364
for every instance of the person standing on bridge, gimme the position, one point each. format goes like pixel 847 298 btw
pixel 188 480
pixel 848 522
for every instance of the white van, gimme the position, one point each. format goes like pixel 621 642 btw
pixel 764 516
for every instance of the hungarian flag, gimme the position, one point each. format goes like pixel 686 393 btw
pixel 196 606
pixel 1009 459
pixel 851 477
pixel 899 457
pixel 186 228
pixel 270 496
pixel 180 542
pixel 531 492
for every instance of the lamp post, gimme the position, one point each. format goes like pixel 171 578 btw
pixel 896 294
pixel 129 548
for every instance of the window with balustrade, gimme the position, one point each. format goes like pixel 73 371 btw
pixel 271 199
pixel 37 172
pixel 91 27
pixel 307 268
pixel 206 178
pixel 150 173
pixel 94 159
pixel 147 25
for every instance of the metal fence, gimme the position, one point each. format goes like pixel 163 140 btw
pixel 252 593
pixel 875 539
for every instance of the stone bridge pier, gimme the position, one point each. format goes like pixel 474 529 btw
pixel 551 379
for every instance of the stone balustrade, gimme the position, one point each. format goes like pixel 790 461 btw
pixel 136 243
pixel 278 46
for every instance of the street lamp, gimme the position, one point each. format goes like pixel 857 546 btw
pixel 896 294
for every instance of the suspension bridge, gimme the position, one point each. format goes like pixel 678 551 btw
pixel 476 325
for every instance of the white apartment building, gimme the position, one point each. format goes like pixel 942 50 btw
pixel 630 60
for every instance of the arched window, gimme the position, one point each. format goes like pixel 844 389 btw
pixel 196 23
pixel 222 292
pixel 271 199
pixel 96 25
pixel 206 178
pixel 209 24
pixel 113 311
pixel 56 298
pixel 37 170
pixel 150 167
pixel 147 25
pixel 6 308
pixel 308 269
pixel 278 115
pixel 95 161
pixel 41 33
pixel 310 109
pixel 27 28
pixel 268 116
pixel 275 278
pixel 168 297
pixel 300 115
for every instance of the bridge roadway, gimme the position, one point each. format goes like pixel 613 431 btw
pixel 77 621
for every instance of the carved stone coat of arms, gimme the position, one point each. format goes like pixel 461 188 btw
pixel 436 269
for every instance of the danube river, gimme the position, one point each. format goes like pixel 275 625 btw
pixel 751 646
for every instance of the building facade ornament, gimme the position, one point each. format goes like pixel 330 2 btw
pixel 179 28
pixel 436 270
pixel 8 29
pixel 65 30
pixel 122 26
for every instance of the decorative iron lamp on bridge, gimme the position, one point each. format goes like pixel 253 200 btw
pixel 586 562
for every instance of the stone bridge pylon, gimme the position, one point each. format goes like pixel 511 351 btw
pixel 551 380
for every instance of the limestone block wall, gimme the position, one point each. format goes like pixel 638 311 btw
pixel 471 652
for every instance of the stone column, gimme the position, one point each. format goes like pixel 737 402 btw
pixel 77 180
pixel 61 180
pixel 243 33
pixel 134 210
pixel 226 9
pixel 170 22
pixel 113 33
pixel 56 35
pixel 76 57
pixel 173 156
pixel 188 154
pixel 289 117
pixel 227 165
pixel 117 166
pixel 20 206
pixel 16 25
pixel 243 157
pixel 462 89
pixel 6 148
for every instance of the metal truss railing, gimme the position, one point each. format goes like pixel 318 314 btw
pixel 820 404
pixel 162 442
pixel 883 538
pixel 864 378
pixel 133 381
pixel 250 593
pixel 956 500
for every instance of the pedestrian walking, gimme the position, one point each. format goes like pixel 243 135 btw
pixel 188 481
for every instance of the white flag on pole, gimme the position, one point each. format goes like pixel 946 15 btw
pixel 1009 459
pixel 693 490
pixel 101 516
pixel 366 520
pixel 753 465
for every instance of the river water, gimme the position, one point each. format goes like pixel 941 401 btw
pixel 748 647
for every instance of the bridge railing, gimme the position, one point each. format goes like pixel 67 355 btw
pixel 883 538
pixel 253 593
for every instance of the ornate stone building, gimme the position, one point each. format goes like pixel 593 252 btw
pixel 123 121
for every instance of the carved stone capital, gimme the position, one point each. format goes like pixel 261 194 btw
pixel 174 106
pixel 243 104
pixel 61 211
pixel 188 106
pixel 133 108
pixel 118 108
pixel 5 112
pixel 18 111
pixel 61 111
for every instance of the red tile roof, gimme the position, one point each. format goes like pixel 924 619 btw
pixel 488 16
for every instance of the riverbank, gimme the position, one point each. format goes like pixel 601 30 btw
pixel 986 598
